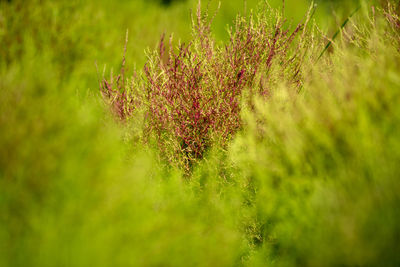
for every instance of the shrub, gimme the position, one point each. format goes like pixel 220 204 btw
pixel 193 94
pixel 307 178
pixel 320 168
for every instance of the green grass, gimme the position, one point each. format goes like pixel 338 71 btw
pixel 310 179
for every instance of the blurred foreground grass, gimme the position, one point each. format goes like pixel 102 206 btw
pixel 311 180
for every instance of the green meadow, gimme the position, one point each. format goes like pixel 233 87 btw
pixel 195 133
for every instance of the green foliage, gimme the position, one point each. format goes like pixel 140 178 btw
pixel 324 163
pixel 311 177
pixel 69 195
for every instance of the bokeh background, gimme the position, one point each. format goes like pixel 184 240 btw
pixel 80 33
pixel 75 190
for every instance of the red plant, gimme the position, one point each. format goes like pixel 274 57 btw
pixel 193 95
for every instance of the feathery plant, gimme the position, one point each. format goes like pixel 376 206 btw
pixel 305 178
pixel 392 15
pixel 192 94
pixel 321 168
